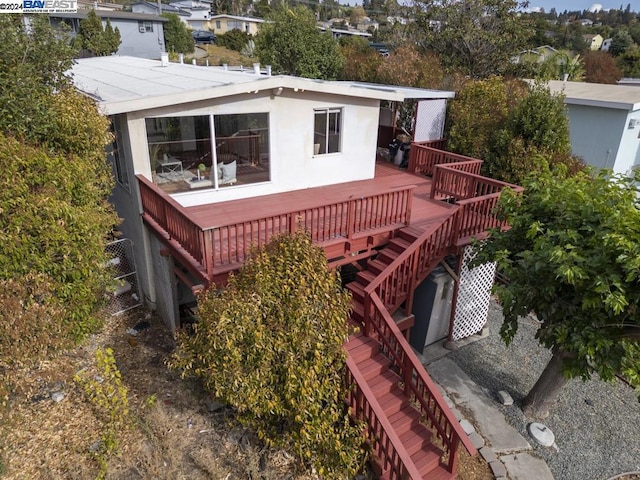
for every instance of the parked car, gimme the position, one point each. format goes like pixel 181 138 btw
pixel 204 36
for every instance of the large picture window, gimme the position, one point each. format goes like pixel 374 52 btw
pixel 327 128
pixel 220 151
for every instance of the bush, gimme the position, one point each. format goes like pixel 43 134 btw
pixel 234 39
pixel 271 345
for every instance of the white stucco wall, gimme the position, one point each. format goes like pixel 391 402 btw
pixel 291 129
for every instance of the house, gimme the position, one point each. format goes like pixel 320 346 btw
pixel 344 32
pixel 209 161
pixel 200 11
pixel 89 5
pixel 224 23
pixel 604 123
pixel 141 34
pixel 594 42
pixel 535 55
pixel 152 8
pixel 585 22
pixel 606 44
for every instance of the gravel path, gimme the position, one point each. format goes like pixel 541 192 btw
pixel 596 424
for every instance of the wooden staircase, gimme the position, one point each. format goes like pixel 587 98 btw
pixel 423 459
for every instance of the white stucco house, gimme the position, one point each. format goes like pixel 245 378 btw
pixel 207 136
pixel 604 122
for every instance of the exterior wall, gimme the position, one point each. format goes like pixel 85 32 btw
pixel 224 24
pixel 602 138
pixel 291 129
pixel 139 44
pixel 596 133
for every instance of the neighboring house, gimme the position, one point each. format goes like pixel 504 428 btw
pixel 341 32
pixel 606 44
pixel 152 8
pixel 604 121
pixel 224 23
pixel 535 55
pixel 142 35
pixel 585 22
pixel 200 11
pixel 90 5
pixel 594 42
pixel 209 162
pixel 366 23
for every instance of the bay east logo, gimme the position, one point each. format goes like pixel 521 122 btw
pixel 49 6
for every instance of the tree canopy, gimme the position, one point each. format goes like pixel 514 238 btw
pixel 176 36
pixel 54 215
pixel 477 37
pixel 572 256
pixel 271 345
pixel 95 38
pixel 292 44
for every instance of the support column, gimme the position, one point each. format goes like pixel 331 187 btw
pixel 165 285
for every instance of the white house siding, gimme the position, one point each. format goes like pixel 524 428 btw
pixel 291 129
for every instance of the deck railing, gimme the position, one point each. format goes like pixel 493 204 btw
pixel 385 444
pixel 424 156
pixel 230 244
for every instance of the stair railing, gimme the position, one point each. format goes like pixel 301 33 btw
pixel 389 450
pixel 405 272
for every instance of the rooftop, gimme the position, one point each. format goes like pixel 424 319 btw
pixel 621 97
pixel 126 84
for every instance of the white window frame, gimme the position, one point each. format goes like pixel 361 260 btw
pixel 327 133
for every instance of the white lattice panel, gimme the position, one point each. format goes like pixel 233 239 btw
pixel 474 293
pixel 430 117
pixel 124 294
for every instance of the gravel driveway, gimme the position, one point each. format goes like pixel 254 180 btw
pixel 596 424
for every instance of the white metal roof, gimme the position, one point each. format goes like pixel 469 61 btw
pixel 620 97
pixel 126 84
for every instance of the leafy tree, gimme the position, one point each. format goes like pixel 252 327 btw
pixel 176 36
pixel 357 14
pixel 478 37
pixel 235 39
pixel 93 37
pixel 54 217
pixel 601 68
pixel 620 42
pixel 572 256
pixel 629 62
pixel 409 67
pixel 361 62
pixel 293 45
pixel 271 345
pixel 562 63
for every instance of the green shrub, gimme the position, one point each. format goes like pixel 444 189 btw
pixel 271 345
pixel 234 39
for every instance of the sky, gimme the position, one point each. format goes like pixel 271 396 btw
pixel 562 5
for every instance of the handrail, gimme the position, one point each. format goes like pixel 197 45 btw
pixel 417 381
pixel 423 159
pixel 386 443
pixel 451 181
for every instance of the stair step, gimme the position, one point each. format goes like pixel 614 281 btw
pixel 393 402
pixel 376 266
pixel 427 459
pixel 384 383
pixel 374 366
pixel 399 244
pixel 405 419
pixel 388 255
pixel 365 277
pixel 416 438
pixel 357 291
pixel 411 234
pixel 357 312
pixel 361 350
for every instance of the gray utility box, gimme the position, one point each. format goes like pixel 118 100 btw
pixel 432 309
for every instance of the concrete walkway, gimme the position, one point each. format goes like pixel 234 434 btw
pixel 508 453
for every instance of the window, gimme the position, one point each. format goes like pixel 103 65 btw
pixel 218 26
pixel 234 25
pixel 184 154
pixel 145 26
pixel 115 155
pixel 327 128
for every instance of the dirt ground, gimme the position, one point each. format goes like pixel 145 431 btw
pixel 173 431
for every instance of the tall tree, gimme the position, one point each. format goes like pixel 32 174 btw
pixel 572 256
pixel 54 215
pixel 93 37
pixel 361 61
pixel 477 37
pixel 408 66
pixel 271 345
pixel 292 45
pixel 176 36
pixel 620 42
pixel 601 68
